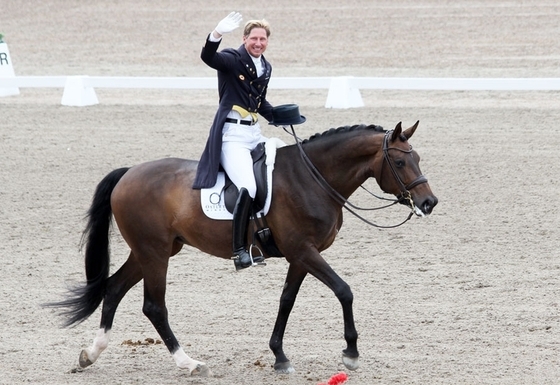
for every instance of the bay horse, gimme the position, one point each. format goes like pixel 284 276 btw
pixel 157 213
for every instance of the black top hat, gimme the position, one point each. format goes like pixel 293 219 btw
pixel 286 114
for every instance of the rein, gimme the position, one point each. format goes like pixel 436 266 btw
pixel 337 197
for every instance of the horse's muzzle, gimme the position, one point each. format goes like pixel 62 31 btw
pixel 428 205
pixel 424 208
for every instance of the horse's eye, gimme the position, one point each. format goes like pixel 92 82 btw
pixel 399 163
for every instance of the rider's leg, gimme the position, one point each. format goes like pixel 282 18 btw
pixel 241 213
pixel 238 164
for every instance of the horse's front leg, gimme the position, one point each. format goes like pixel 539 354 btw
pixel 320 269
pixel 292 284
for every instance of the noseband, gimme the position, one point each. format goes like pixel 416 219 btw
pixel 405 189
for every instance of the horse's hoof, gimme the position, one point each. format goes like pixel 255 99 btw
pixel 351 363
pixel 84 359
pixel 284 368
pixel 201 371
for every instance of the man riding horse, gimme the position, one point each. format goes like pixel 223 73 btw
pixel 243 76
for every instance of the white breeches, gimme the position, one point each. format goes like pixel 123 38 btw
pixel 237 142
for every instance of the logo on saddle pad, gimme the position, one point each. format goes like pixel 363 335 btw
pixel 218 201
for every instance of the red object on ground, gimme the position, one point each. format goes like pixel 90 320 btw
pixel 336 379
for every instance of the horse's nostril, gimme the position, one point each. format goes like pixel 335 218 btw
pixel 429 205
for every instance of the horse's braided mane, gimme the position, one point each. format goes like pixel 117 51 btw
pixel 334 131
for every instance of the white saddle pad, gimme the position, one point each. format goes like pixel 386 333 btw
pixel 212 199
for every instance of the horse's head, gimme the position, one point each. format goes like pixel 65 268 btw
pixel 400 173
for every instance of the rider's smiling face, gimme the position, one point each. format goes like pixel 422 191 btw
pixel 256 42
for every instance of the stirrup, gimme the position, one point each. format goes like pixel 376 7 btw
pixel 257 260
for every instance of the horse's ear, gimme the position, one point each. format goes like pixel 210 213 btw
pixel 396 132
pixel 409 131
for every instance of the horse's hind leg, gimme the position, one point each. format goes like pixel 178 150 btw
pixel 154 308
pixel 117 286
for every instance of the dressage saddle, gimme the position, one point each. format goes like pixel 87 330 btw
pixel 231 192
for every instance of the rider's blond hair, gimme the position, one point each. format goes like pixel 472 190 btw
pixel 256 24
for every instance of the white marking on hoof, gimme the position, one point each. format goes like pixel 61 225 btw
pixel 201 371
pixel 84 359
pixel 195 368
pixel 350 363
pixel 284 368
pixel 89 355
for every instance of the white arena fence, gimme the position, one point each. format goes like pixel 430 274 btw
pixel 343 91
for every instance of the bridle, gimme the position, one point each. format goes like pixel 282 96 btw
pixel 404 195
pixel 405 189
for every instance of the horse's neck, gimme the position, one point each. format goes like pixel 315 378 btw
pixel 344 164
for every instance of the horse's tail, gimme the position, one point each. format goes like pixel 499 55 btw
pixel 84 300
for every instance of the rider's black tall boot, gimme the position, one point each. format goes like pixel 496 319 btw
pixel 241 257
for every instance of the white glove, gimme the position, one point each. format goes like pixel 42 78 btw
pixel 229 23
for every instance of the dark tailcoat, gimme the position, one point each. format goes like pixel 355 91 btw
pixel 238 84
